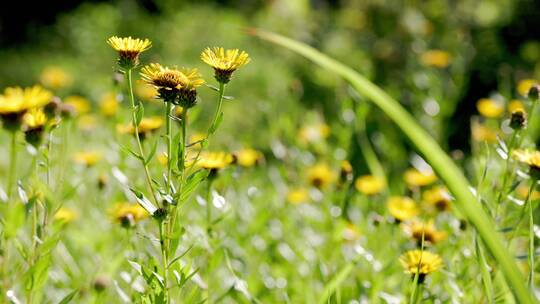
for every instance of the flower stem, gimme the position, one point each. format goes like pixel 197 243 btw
pixel 137 138
pixel 168 109
pixel 218 110
pixel 164 259
pixel 531 234
pixel 12 163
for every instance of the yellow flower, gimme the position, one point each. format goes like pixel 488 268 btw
pixel 525 85
pixel 489 108
pixel 522 191
pixel 55 78
pixel 173 85
pixel 402 208
pixel 108 104
pixel 35 118
pixel 346 169
pixel 145 92
pixel 530 158
pixel 438 197
pixel 87 158
pixel 415 178
pixel 416 229
pixel 420 262
pixel 351 232
pixel 80 104
pixel 147 125
pixel 214 160
pixel 128 50
pixel 224 62
pixel 298 196
pixel 314 133
pixel 65 215
pixel 483 133
pixel 320 175
pixel 369 184
pixel 163 158
pixel 16 100
pixel 436 58
pixel 128 214
pixel 87 122
pixel 515 105
pixel 247 157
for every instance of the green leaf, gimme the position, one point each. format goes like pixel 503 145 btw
pixel 151 154
pixel 191 183
pixel 128 150
pixel 139 113
pixel 144 202
pixel 213 87
pixel 445 168
pixel 215 126
pixel 69 297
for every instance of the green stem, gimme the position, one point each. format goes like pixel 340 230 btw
pixel 182 161
pixel 531 234
pixel 12 164
pixel 435 156
pixel 168 108
pixel 137 138
pixel 218 110
pixel 164 259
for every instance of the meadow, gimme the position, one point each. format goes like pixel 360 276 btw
pixel 277 152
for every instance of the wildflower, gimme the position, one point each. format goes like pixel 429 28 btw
pixel 483 133
pixel 418 230
pixel 522 192
pixel 525 85
pixel 518 120
pixel 420 262
pixel 108 104
pixel 65 215
pixel 438 197
pixel 297 196
pixel 163 159
pixel 88 159
pixel 224 62
pixel 320 175
pixel 530 158
pixel 214 161
pixel 34 122
pixel 128 215
pixel 129 50
pixel 16 101
pixel 247 157
pixel 146 126
pixel 80 104
pixel 435 58
pixel 314 133
pixel 402 208
pixel 55 78
pixel 416 178
pixel 145 92
pixel 369 184
pixel 489 108
pixel 515 105
pixel 177 86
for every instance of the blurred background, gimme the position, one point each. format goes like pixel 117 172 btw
pixel 437 57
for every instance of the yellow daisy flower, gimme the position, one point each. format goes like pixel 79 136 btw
pixel 173 85
pixel 515 105
pixel 34 118
pixel 224 62
pixel 55 78
pixel 481 133
pixel 320 175
pixel 416 229
pixel 525 85
pixel 88 159
pixel 297 196
pixel 402 208
pixel 438 197
pixel 420 262
pixel 80 104
pixel 65 215
pixel 530 158
pixel 108 104
pixel 489 108
pixel 436 58
pixel 214 160
pixel 129 50
pixel 247 157
pixel 415 178
pixel 146 126
pixel 145 92
pixel 16 100
pixel 128 214
pixel 369 184
pixel 523 190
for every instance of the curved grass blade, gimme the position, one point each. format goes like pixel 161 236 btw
pixel 436 157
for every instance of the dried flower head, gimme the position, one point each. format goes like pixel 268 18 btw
pixel 129 50
pixel 421 263
pixel 224 62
